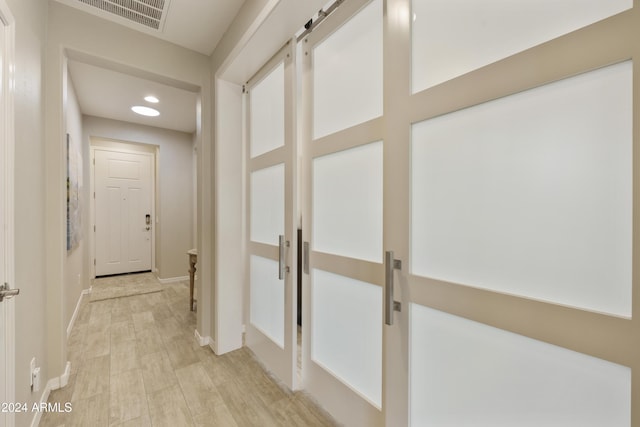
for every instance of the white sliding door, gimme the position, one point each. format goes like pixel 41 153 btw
pixel 510 128
pixel 342 335
pixel 470 201
pixel 271 214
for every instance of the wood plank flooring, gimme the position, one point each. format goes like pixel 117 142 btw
pixel 135 362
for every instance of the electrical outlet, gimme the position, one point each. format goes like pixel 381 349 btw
pixel 31 370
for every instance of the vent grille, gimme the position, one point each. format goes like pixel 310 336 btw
pixel 145 12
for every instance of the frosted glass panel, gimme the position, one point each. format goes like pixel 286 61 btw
pixel 347 203
pixel 464 373
pixel 267 204
pixel 267 299
pixel 347 73
pixel 267 113
pixel 453 37
pixel 346 332
pixel 531 194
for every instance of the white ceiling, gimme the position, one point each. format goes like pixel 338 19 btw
pixel 193 24
pixel 111 94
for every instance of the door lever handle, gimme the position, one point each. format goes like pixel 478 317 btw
pixel 390 305
pixel 6 292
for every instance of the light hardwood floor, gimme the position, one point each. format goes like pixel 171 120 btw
pixel 135 362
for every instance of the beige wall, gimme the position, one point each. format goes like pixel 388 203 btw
pixel 76 278
pixel 30 16
pixel 43 274
pixel 84 36
pixel 174 188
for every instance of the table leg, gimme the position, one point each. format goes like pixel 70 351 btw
pixel 192 273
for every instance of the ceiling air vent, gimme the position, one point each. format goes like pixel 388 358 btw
pixel 149 13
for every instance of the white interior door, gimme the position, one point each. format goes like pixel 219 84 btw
pixel 343 150
pixel 512 164
pixel 7 306
pixel 271 200
pixel 123 211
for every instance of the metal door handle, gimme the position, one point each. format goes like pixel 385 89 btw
pixel 281 257
pixel 6 292
pixel 390 305
pixel 305 258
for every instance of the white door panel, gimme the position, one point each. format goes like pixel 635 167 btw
pixel 512 164
pixel 343 214
pixel 271 213
pixel 123 199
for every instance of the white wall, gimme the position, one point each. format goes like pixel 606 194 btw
pixel 76 278
pixel 230 272
pixel 229 256
pixel 194 201
pixel 30 306
pixel 174 189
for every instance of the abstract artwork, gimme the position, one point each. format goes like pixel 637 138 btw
pixel 74 177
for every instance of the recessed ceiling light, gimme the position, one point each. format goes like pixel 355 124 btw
pixel 145 111
pixel 151 99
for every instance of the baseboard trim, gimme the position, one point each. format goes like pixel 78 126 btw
pixel 77 310
pixel 173 279
pixel 52 384
pixel 202 341
pixel 59 382
pixel 64 378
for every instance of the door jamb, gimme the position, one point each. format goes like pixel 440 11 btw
pixel 8 165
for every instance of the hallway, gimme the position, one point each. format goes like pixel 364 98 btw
pixel 134 362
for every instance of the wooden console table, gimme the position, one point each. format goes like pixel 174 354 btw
pixel 193 259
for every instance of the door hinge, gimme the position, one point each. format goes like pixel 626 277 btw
pixel 94 228
pixel 94 261
pixel 94 194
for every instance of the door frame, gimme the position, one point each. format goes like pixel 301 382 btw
pixel 7 160
pixel 106 144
